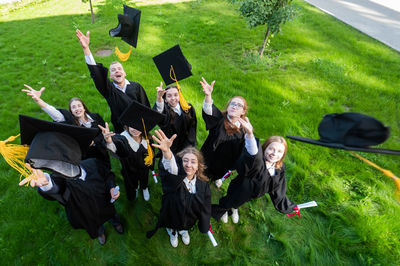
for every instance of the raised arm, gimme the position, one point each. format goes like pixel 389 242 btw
pixel 207 89
pixel 84 41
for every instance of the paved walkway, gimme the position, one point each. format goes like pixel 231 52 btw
pixel 379 19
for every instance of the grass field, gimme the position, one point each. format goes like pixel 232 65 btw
pixel 316 65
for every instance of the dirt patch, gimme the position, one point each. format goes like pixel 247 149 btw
pixel 104 52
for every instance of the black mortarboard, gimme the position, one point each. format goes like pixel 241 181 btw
pixel 55 146
pixel 350 131
pixel 128 27
pixel 175 58
pixel 135 112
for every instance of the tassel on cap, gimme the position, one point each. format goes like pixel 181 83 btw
pixel 386 172
pixel 149 158
pixel 123 56
pixel 184 105
pixel 14 155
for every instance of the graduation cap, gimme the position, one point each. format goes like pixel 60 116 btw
pixel 350 131
pixel 173 67
pixel 128 27
pixel 144 119
pixel 55 146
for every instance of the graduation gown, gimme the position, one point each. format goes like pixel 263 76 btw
pixel 117 100
pixel 253 181
pixel 220 150
pixel 98 149
pixel 87 203
pixel 133 167
pixel 183 125
pixel 180 210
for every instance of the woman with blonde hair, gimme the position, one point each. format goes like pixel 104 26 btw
pixel 260 171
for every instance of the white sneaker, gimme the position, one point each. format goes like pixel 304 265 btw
pixel 224 218
pixel 146 194
pixel 173 237
pixel 235 216
pixel 185 237
pixel 218 183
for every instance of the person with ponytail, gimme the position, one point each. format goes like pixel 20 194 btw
pixel 225 139
pixel 177 121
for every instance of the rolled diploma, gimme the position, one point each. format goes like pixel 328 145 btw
pixel 210 235
pixel 307 205
pixel 154 176
pixel 116 189
pixel 226 175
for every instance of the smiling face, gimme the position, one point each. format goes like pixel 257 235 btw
pixel 77 109
pixel 172 97
pixel 236 108
pixel 274 152
pixel 117 73
pixel 190 165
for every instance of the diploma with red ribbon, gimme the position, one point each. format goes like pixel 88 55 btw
pixel 302 206
pixel 154 174
pixel 210 235
pixel 226 175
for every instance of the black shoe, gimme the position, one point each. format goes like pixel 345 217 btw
pixel 102 239
pixel 119 228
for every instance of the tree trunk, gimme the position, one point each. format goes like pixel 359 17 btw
pixel 264 43
pixel 91 10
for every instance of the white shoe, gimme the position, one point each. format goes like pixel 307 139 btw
pixel 235 216
pixel 185 237
pixel 218 183
pixel 224 218
pixel 146 194
pixel 173 237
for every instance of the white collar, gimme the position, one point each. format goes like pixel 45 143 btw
pixel 190 184
pixel 132 142
pixel 177 109
pixel 237 123
pixel 83 174
pixel 88 123
pixel 124 88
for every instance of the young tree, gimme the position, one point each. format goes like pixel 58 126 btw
pixel 272 13
pixel 91 8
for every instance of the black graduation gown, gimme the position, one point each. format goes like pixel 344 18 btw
pixel 253 181
pixel 87 203
pixel 184 126
pixel 133 166
pixel 98 149
pixel 220 150
pixel 180 209
pixel 117 100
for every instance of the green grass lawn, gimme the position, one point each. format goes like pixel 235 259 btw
pixel 316 65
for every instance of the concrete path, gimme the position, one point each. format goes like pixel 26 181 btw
pixel 379 19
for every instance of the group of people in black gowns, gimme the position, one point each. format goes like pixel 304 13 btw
pixel 185 171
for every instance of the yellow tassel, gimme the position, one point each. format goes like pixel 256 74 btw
pixel 123 56
pixel 184 105
pixel 148 161
pixel 386 172
pixel 14 155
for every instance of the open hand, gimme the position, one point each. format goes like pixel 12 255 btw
pixel 36 179
pixel 84 40
pixel 245 123
pixel 207 88
pixel 34 93
pixel 164 143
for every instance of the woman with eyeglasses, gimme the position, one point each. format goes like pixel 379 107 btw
pixel 226 136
